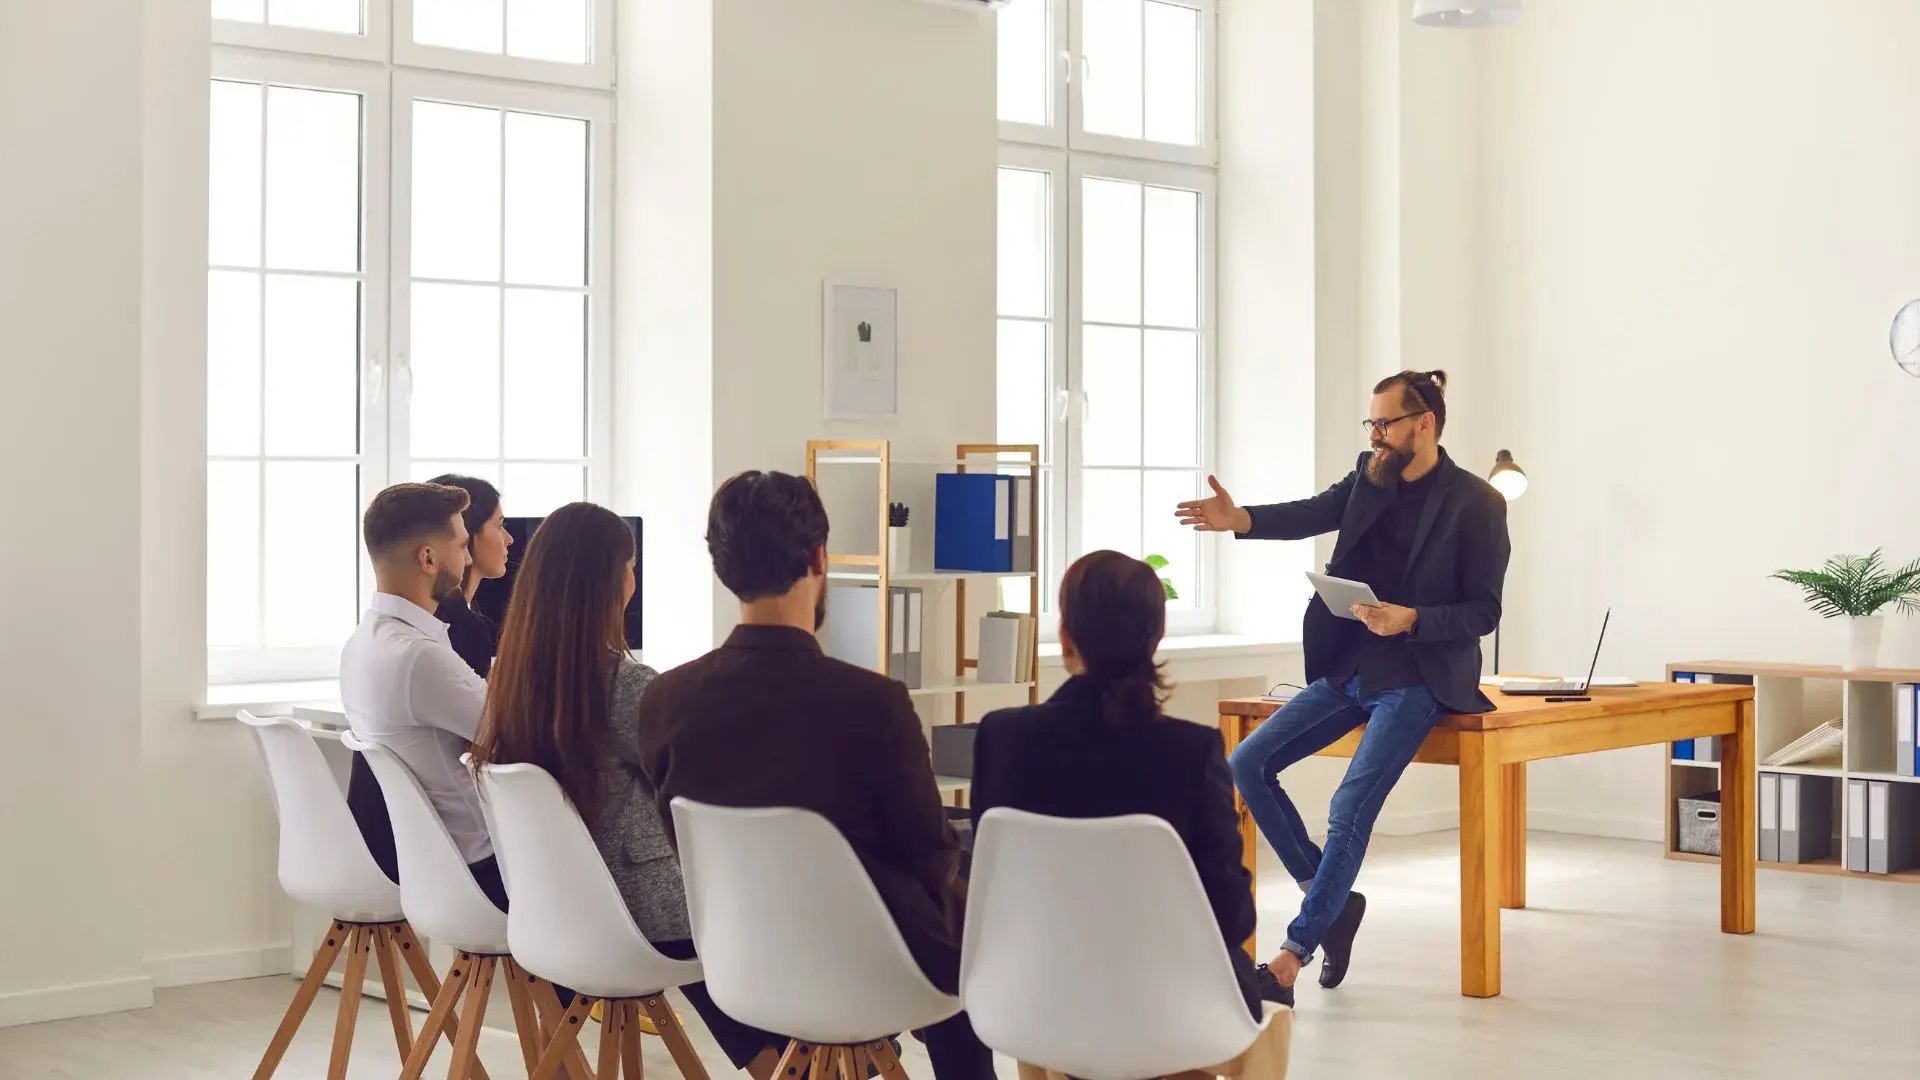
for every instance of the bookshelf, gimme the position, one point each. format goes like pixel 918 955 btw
pixel 1789 701
pixel 874 461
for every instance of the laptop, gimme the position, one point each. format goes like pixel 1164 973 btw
pixel 1542 687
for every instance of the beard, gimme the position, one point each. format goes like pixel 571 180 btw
pixel 446 583
pixel 1386 464
pixel 820 609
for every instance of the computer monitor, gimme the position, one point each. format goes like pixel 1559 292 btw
pixel 490 599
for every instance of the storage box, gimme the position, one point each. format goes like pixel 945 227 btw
pixel 1700 823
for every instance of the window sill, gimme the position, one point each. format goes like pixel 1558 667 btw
pixel 225 701
pixel 1198 657
pixel 1189 658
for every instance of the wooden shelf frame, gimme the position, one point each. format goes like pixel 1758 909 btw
pixel 1789 700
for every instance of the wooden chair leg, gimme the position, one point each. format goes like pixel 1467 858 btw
pixel 820 1067
pixel 630 1032
pixel 323 959
pixel 565 1039
pixel 859 1062
pixel 886 1060
pixel 479 986
pixel 574 1066
pixel 395 988
pixel 526 1022
pixel 444 1004
pixel 351 985
pixel 610 1033
pixel 422 968
pixel 667 1023
pixel 793 1061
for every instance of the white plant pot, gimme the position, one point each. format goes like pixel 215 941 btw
pixel 899 548
pixel 1863 641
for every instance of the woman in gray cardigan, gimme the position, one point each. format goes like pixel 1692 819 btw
pixel 565 696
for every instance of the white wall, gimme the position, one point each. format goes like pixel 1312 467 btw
pixel 212 906
pixel 70 318
pixel 1698 220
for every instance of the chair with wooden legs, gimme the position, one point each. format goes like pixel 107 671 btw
pixel 325 864
pixel 1091 951
pixel 568 923
pixel 795 939
pixel 440 898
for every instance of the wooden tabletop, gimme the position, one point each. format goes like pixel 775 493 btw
pixel 1798 671
pixel 1526 711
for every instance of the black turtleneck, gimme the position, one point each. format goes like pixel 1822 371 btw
pixel 1381 558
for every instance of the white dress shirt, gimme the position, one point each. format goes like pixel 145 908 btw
pixel 404 687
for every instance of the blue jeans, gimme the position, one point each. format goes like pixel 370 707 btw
pixel 1397 723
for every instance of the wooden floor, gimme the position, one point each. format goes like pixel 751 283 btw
pixel 1617 969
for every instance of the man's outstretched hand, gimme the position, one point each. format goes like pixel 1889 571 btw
pixel 1216 513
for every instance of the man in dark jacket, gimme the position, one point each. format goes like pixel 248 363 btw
pixel 768 720
pixel 1431 541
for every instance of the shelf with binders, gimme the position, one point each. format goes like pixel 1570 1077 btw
pixel 904 630
pixel 1849 725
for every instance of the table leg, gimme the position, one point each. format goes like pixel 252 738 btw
pixel 1233 728
pixel 1482 851
pixel 1738 841
pixel 1513 827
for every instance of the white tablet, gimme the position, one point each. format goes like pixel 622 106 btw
pixel 1340 594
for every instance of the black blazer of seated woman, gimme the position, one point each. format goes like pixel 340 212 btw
pixel 1101 747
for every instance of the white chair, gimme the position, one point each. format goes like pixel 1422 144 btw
pixel 442 900
pixel 796 940
pixel 567 923
pixel 325 864
pixel 1091 949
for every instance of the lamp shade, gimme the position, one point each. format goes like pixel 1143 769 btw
pixel 1465 14
pixel 1507 478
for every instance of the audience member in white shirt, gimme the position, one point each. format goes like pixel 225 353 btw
pixel 401 683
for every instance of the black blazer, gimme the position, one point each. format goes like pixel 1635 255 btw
pixel 1060 758
pixel 768 720
pixel 1454 573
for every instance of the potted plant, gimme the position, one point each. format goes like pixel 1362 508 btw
pixel 1159 563
pixel 1859 587
pixel 899 538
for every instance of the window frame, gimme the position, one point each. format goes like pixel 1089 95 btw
pixel 597 110
pixel 383 71
pixel 370 44
pixel 1203 617
pixel 1065 150
pixel 262 663
pixel 598 73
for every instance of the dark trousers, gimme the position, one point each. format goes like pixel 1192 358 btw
pixel 956 1052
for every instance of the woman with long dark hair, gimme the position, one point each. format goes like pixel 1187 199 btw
pixel 564 695
pixel 1102 746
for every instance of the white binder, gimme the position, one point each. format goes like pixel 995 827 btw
pixel 1769 817
pixel 1856 853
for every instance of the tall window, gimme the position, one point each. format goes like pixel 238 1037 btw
pixel 407 276
pixel 1106 273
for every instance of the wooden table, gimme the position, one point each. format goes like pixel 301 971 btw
pixel 1492 751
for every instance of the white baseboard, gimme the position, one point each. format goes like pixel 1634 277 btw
pixel 67 1002
pixel 1610 825
pixel 190 969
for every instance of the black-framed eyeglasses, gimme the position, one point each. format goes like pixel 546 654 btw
pixel 1379 427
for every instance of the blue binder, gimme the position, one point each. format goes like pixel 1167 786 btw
pixel 972 522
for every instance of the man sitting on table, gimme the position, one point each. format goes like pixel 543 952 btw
pixel 1430 539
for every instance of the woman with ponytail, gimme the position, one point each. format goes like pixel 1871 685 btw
pixel 1102 747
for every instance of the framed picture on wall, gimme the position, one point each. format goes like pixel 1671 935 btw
pixel 860 352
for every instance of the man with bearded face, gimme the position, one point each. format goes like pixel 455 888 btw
pixel 1431 540
pixel 767 719
pixel 402 685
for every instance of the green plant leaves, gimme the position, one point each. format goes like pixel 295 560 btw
pixel 1856 586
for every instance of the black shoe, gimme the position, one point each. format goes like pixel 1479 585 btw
pixel 1336 948
pixel 1270 988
